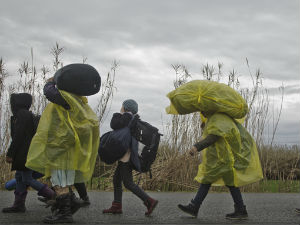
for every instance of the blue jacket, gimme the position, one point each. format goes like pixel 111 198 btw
pixel 119 121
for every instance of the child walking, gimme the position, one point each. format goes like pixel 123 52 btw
pixel 229 158
pixel 130 161
pixel 66 143
pixel 22 131
pixel 53 95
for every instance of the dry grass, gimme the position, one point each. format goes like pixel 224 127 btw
pixel 5 173
pixel 173 169
pixel 31 80
pixel 280 162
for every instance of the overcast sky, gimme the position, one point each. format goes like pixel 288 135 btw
pixel 146 37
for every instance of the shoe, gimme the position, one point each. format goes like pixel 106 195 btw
pixel 297 210
pixel 42 199
pixel 116 208
pixel 240 213
pixel 47 201
pixel 46 194
pixel 150 203
pixel 76 203
pixel 19 204
pixel 63 213
pixel 189 209
pixel 85 201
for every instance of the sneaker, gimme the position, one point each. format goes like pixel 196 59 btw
pixel 297 210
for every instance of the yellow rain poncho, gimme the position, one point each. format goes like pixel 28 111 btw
pixel 233 160
pixel 66 139
pixel 207 96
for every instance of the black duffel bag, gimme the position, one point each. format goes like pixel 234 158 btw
pixel 114 145
pixel 78 78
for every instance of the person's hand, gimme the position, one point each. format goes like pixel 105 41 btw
pixel 8 159
pixel 50 79
pixel 193 151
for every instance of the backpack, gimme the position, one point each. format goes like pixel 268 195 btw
pixel 114 144
pixel 150 137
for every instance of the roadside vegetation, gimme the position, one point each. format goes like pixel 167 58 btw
pixel 173 170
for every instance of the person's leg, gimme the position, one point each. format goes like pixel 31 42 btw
pixel 116 207
pixel 61 181
pixel 43 189
pixel 236 195
pixel 126 174
pixel 81 189
pixel 193 207
pixel 240 211
pixel 20 186
pixel 37 175
pixel 201 195
pixel 11 184
pixel 117 182
pixel 20 196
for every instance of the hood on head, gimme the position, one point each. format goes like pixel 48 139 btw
pixel 20 101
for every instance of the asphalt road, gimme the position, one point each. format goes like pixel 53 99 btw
pixel 262 209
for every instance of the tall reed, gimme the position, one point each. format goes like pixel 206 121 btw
pixel 31 80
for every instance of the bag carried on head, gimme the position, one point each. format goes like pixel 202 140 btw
pixel 80 79
pixel 207 96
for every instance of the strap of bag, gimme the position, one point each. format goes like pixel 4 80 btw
pixel 132 119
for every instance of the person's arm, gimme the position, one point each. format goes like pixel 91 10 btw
pixel 53 95
pixel 206 142
pixel 23 116
pixel 209 140
pixel 119 120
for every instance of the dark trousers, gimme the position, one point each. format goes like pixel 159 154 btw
pixel 204 188
pixel 123 174
pixel 81 189
pixel 24 179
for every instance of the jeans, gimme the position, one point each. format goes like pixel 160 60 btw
pixel 123 174
pixel 204 188
pixel 24 179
